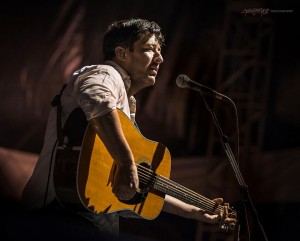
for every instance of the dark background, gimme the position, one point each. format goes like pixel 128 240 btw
pixel 43 42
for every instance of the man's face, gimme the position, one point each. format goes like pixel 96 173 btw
pixel 143 62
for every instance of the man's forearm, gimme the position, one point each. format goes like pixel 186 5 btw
pixel 177 207
pixel 109 129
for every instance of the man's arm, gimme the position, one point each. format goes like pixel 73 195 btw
pixel 177 207
pixel 109 129
pixel 125 183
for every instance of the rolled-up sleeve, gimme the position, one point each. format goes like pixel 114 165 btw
pixel 97 95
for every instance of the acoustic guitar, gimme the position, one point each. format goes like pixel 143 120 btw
pixel 84 169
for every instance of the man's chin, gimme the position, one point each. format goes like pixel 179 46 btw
pixel 146 81
pixel 151 80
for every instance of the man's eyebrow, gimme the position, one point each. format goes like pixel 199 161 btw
pixel 153 45
pixel 150 45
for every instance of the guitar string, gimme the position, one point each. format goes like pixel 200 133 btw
pixel 189 198
pixel 195 199
pixel 162 180
pixel 176 188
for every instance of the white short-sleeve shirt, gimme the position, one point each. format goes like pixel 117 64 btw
pixel 97 89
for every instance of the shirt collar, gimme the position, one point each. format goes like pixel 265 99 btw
pixel 124 75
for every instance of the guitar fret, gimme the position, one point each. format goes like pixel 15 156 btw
pixel 169 187
pixel 174 193
pixel 176 190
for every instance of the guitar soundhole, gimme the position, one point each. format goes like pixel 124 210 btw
pixel 141 195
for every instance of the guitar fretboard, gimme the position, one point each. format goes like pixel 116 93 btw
pixel 169 187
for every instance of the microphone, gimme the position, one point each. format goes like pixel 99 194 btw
pixel 184 81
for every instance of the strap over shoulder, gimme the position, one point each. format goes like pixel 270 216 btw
pixel 56 102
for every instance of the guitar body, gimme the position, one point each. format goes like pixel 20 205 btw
pixel 84 174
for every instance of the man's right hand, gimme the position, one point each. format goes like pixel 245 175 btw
pixel 125 182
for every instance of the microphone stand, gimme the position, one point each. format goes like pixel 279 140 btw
pixel 245 196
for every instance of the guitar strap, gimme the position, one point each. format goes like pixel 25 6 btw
pixel 56 102
pixel 136 125
pixel 63 140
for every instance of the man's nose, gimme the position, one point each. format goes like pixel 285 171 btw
pixel 158 58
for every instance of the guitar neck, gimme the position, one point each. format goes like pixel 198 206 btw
pixel 171 188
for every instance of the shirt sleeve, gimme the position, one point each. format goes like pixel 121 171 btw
pixel 97 95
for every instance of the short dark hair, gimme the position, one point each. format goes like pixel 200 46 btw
pixel 126 32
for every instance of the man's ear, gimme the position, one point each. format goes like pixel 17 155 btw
pixel 120 53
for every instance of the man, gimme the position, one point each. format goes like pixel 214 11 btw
pixel 132 53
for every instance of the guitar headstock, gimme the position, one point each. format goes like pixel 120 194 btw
pixel 228 218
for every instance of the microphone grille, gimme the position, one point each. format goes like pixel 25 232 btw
pixel 182 81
